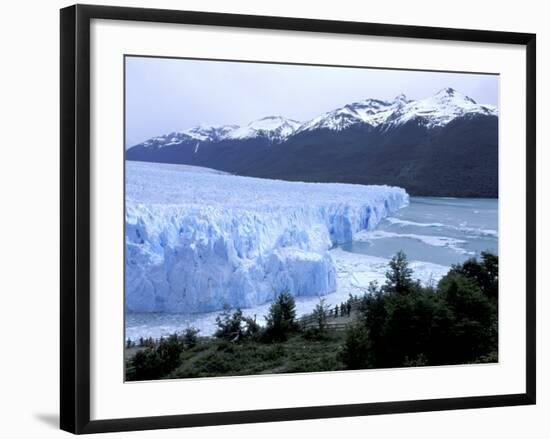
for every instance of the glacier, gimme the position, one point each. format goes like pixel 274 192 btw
pixel 198 239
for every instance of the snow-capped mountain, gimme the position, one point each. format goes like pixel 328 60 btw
pixel 372 112
pixel 209 133
pixel 415 144
pixel 437 110
pixel 201 133
pixel 434 111
pixel 274 128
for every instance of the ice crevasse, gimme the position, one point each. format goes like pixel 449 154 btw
pixel 198 239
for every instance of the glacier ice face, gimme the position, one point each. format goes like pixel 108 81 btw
pixel 198 239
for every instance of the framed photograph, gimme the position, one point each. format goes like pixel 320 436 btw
pixel 268 218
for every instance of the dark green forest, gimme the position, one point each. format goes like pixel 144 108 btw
pixel 425 162
pixel 397 324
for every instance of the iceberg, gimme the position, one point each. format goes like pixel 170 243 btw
pixel 198 239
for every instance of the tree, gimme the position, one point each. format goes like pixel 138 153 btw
pixel 484 273
pixel 190 337
pixel 228 323
pixel 405 324
pixel 281 319
pixel 169 351
pixel 473 332
pixel 250 327
pixel 321 313
pixel 355 354
pixel 235 326
pixel 399 276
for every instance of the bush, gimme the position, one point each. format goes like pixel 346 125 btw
pixel 315 334
pixel 154 362
pixel 145 365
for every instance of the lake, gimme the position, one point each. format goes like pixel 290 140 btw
pixel 443 231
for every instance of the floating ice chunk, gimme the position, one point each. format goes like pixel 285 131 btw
pixel 436 241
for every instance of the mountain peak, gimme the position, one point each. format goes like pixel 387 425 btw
pixel 269 122
pixel 401 97
pixel 274 117
pixel 274 128
pixel 208 132
pixel 449 93
pixel 438 110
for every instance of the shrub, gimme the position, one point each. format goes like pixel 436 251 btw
pixel 154 362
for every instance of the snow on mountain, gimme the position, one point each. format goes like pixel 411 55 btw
pixel 439 110
pixel 275 128
pixel 193 245
pixel 209 133
pixel 373 112
pixel 201 133
pixel 435 111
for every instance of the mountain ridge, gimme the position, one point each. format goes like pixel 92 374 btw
pixel 443 145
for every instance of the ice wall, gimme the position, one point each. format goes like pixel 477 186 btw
pixel 197 239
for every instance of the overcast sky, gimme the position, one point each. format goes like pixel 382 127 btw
pixel 165 95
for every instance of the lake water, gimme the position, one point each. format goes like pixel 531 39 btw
pixel 443 231
pixel 435 233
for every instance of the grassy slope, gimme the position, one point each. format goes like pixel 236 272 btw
pixel 213 357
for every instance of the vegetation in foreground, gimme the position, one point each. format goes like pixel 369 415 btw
pixel 398 324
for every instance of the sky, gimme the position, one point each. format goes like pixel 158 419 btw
pixel 165 94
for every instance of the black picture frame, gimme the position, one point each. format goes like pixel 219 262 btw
pixel 75 217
